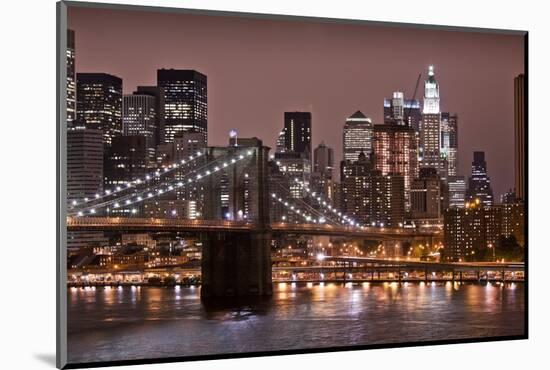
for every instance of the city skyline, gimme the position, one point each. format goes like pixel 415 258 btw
pixel 327 123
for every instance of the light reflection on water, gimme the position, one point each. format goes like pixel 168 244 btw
pixel 150 322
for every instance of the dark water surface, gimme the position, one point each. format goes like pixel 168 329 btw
pixel 108 324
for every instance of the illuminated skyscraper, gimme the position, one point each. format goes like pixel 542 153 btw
pixel 479 184
pixel 457 191
pixel 395 152
pixel 430 128
pixel 185 102
pixel 370 197
pixel 84 163
pixel 449 142
pixel 297 132
pixel 125 161
pixel 71 79
pixel 323 164
pixel 323 160
pixel 402 111
pixel 158 94
pixel 140 118
pixel 426 196
pixel 358 132
pixel 99 104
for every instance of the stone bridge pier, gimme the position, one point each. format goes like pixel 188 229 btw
pixel 236 264
pixel 239 263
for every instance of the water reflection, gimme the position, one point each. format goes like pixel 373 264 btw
pixel 140 322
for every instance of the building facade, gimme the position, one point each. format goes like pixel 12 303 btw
pixel 395 152
pixel 449 142
pixel 357 137
pixel 99 104
pixel 479 183
pixel 71 79
pixel 426 196
pixel 139 118
pixel 84 163
pixel 297 133
pixel 185 102
pixel 402 111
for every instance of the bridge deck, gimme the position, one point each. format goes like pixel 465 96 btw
pixel 167 224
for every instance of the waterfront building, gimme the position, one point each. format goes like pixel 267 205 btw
pixel 470 231
pixel 513 221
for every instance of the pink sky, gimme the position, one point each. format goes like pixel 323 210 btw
pixel 257 69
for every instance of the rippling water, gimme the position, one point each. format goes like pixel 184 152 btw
pixel 108 324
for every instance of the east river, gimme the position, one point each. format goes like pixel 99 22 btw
pixel 108 324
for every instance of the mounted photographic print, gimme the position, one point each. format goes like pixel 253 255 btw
pixel 235 185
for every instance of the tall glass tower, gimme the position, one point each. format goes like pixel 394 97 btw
pixel 185 102
pixel 479 184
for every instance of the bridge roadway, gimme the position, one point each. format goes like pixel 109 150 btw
pixel 404 263
pixel 183 225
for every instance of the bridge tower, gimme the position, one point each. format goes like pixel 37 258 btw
pixel 238 263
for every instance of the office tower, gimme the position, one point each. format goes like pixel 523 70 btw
pixel 479 184
pixel 426 196
pixel 395 152
pixel 185 102
pixel 430 128
pixel 71 79
pixel 356 183
pixel 158 94
pixel 449 142
pixel 370 197
pixel 297 132
pixel 387 200
pixel 457 191
pixel 99 104
pixel 126 160
pixel 280 144
pixel 509 197
pixel 295 165
pixel 84 163
pixel 402 111
pixel 323 164
pixel 519 124
pixel 323 160
pixel 139 118
pixel 358 132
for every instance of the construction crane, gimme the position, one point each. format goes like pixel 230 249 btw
pixel 414 95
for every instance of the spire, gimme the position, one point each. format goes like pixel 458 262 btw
pixel 431 74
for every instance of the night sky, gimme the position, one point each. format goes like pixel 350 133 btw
pixel 258 69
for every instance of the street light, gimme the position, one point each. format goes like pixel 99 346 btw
pixel 491 247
